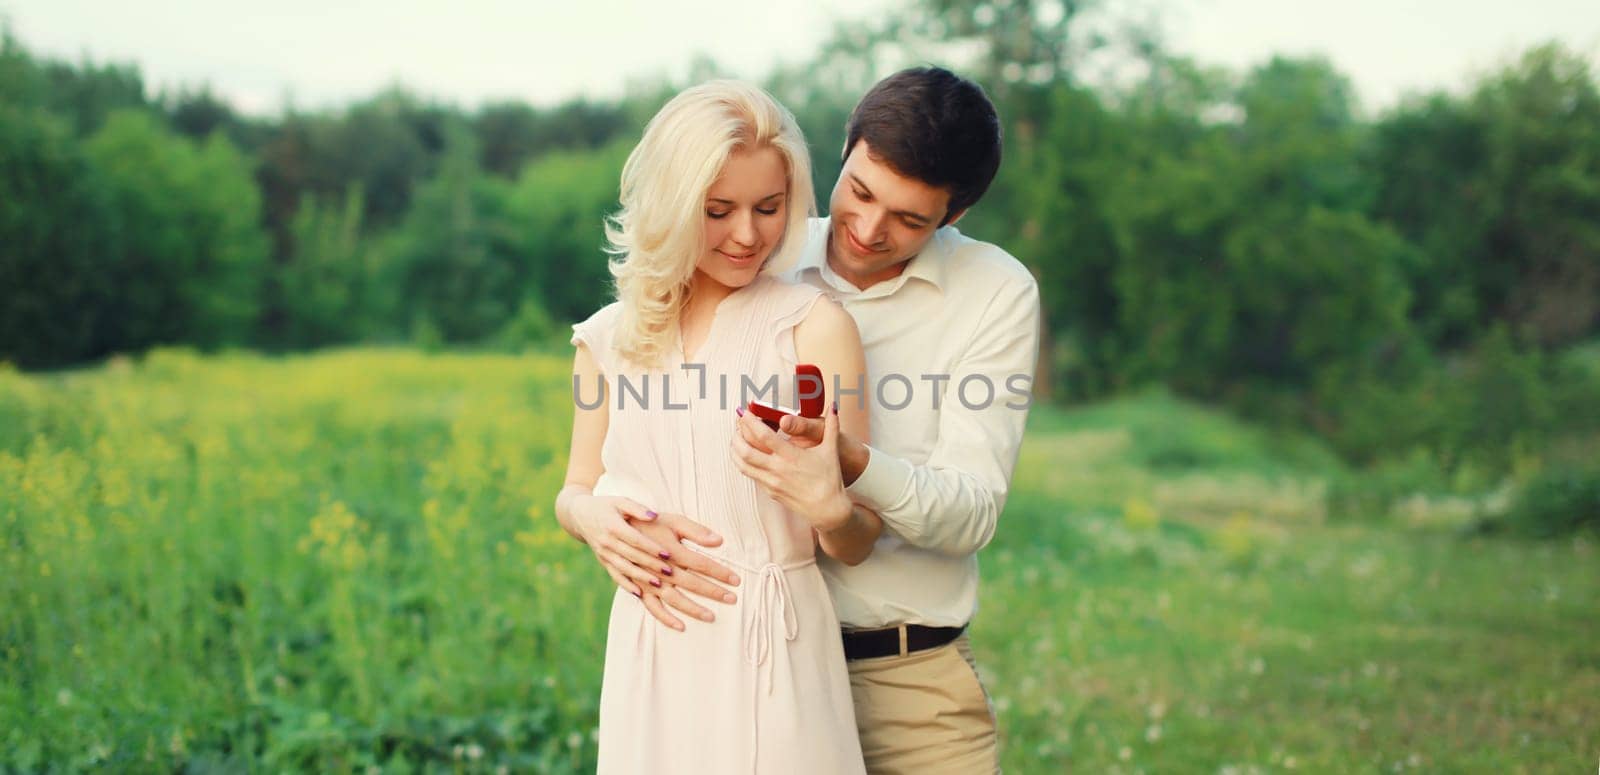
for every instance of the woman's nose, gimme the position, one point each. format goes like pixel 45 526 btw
pixel 744 230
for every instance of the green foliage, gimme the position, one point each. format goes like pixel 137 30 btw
pixel 83 94
pixel 1398 286
pixel 1319 289
pixel 1208 255
pixel 369 572
pixel 1542 126
pixel 371 577
pixel 1241 237
pixel 457 265
pixel 532 328
pixel 1557 502
pixel 20 80
pixel 1369 493
pixel 1061 179
pixel 1500 191
pixel 1427 159
pixel 1021 41
pixel 425 334
pixel 559 204
pixel 326 284
pixel 57 250
pixel 90 94
pixel 385 146
pixel 511 134
pixel 192 258
pixel 1486 410
pixel 821 106
pixel 196 113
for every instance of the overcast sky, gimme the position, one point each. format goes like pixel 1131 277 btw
pixel 322 52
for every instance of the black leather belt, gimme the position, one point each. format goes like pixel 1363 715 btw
pixel 896 641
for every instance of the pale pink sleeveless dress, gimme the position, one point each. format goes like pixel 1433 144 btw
pixel 764 688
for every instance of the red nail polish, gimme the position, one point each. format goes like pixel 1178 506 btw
pixel 655 583
pixel 836 407
pixel 740 411
pixel 664 555
pixel 665 571
pixel 651 514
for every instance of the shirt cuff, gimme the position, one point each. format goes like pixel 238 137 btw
pixel 881 483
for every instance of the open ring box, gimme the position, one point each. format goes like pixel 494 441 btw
pixel 808 387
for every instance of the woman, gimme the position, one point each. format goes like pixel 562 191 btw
pixel 714 198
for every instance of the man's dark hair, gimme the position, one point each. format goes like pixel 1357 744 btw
pixel 930 124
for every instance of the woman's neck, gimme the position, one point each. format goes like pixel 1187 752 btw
pixel 704 294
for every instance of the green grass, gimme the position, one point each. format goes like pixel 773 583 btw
pixel 1214 618
pixel 346 561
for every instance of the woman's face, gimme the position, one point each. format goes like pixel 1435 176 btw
pixel 746 210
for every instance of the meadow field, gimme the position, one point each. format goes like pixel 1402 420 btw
pixel 347 562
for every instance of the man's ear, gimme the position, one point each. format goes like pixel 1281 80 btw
pixel 956 217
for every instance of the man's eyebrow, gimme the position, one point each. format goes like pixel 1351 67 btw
pixel 901 213
pixel 767 198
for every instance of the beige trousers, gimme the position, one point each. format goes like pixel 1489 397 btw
pixel 924 713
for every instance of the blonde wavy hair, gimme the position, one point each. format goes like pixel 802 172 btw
pixel 658 236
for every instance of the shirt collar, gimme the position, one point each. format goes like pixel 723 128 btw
pixel 930 266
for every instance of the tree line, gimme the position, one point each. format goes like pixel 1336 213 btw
pixel 1414 280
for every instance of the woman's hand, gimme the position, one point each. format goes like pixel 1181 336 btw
pixel 633 561
pixel 689 571
pixel 645 554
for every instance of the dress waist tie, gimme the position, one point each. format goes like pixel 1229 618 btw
pixel 771 605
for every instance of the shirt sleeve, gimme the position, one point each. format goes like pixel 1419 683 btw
pixel 596 333
pixel 951 503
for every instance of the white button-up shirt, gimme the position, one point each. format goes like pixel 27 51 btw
pixel 951 345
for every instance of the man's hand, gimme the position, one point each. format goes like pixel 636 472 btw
pixel 807 432
pixel 687 570
pixel 803 477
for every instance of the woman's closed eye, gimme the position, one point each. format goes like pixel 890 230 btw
pixel 717 216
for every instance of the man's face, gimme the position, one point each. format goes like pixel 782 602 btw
pixel 881 219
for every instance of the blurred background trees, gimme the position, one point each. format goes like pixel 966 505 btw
pixel 1424 281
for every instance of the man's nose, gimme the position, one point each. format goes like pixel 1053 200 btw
pixel 872 223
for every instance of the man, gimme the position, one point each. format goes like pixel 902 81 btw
pixel 950 329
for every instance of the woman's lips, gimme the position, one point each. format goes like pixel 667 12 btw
pixel 744 260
